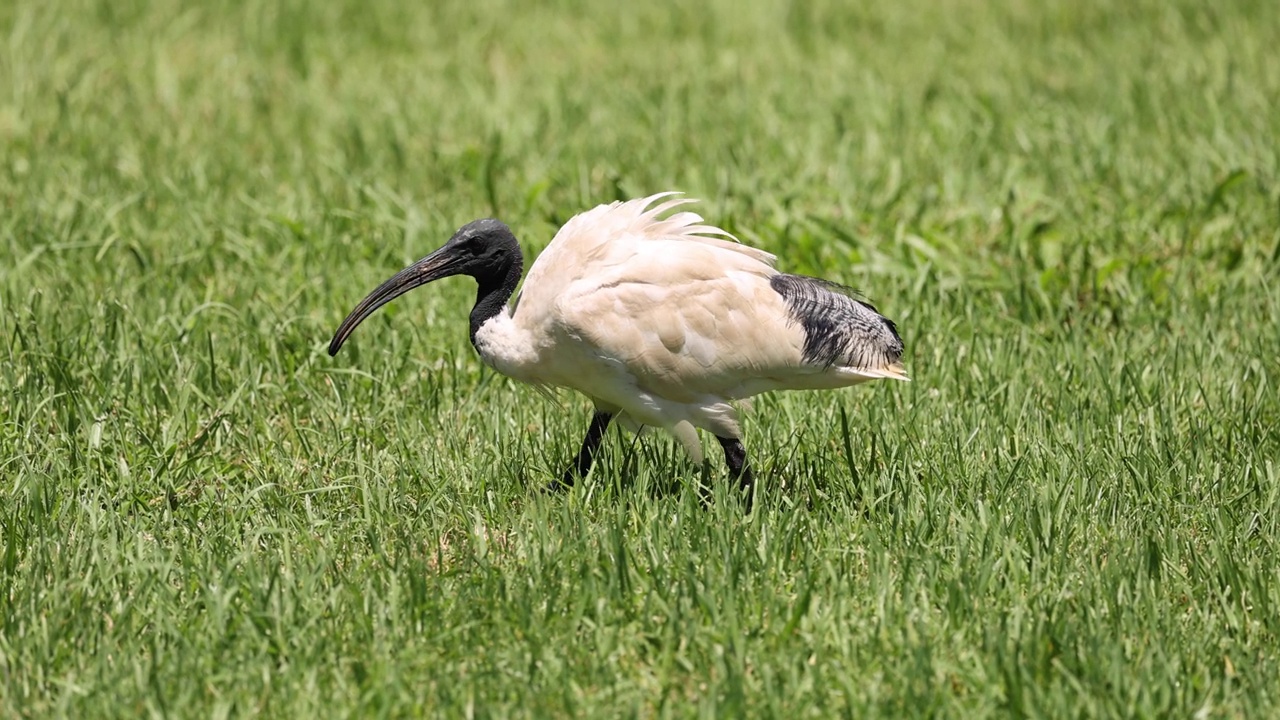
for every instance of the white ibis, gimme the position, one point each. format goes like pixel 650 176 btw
pixel 662 322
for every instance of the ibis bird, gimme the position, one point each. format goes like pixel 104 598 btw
pixel 663 322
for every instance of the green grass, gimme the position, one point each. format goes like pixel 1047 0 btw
pixel 1072 209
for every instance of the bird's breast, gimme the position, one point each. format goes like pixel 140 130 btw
pixel 508 348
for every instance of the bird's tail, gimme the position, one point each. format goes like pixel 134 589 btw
pixel 894 371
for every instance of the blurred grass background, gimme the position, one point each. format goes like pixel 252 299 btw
pixel 1070 208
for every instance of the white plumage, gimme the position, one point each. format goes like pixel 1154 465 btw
pixel 661 321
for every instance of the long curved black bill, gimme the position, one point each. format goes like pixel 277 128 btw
pixel 437 265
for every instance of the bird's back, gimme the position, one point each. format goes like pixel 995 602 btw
pixel 601 239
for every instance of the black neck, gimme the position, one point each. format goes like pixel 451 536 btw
pixel 493 292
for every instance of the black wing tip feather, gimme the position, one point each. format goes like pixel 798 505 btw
pixel 893 330
pixel 835 328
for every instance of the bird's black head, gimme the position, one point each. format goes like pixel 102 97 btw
pixel 484 249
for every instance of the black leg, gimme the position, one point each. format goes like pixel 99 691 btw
pixel 735 456
pixel 582 464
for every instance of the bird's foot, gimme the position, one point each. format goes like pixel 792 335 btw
pixel 563 483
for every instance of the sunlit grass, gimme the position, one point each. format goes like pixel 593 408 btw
pixel 1070 209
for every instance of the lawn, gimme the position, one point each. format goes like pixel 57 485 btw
pixel 1071 209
